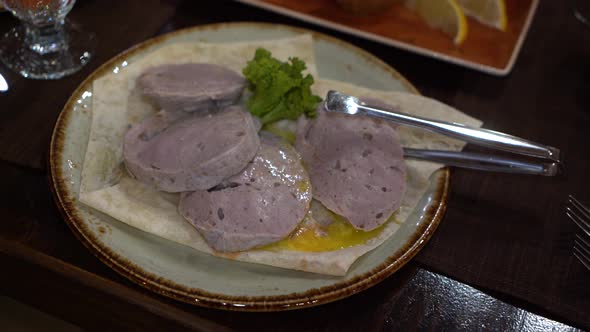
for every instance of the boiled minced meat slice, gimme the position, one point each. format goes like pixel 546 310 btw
pixel 262 204
pixel 192 86
pixel 356 166
pixel 191 152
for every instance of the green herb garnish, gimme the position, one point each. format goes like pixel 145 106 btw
pixel 279 89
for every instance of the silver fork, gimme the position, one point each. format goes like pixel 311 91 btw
pixel 580 215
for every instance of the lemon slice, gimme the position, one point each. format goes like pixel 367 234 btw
pixel 446 15
pixel 488 12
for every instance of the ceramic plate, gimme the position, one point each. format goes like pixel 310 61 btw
pixel 485 49
pixel 185 274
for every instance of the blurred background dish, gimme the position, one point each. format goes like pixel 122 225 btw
pixel 487 43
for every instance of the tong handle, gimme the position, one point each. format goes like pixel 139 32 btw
pixel 483 162
pixel 479 136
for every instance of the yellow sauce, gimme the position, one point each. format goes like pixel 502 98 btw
pixel 338 235
pixel 304 186
pixel 311 237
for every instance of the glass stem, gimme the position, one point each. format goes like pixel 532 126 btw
pixel 47 38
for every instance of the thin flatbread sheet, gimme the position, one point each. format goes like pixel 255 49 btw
pixel 106 186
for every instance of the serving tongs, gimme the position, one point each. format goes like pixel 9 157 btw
pixel 547 157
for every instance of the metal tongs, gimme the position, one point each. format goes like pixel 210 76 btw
pixel 547 162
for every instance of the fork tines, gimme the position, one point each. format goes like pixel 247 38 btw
pixel 580 215
pixel 582 251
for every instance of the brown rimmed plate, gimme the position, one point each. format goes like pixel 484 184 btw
pixel 187 275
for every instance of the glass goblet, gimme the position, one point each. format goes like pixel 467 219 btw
pixel 44 45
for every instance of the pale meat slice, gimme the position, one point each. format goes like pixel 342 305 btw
pixel 262 204
pixel 191 152
pixel 355 164
pixel 192 87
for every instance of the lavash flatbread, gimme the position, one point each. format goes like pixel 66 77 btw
pixel 106 186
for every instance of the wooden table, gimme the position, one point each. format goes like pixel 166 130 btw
pixel 546 99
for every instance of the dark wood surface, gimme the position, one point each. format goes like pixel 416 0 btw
pixel 500 260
